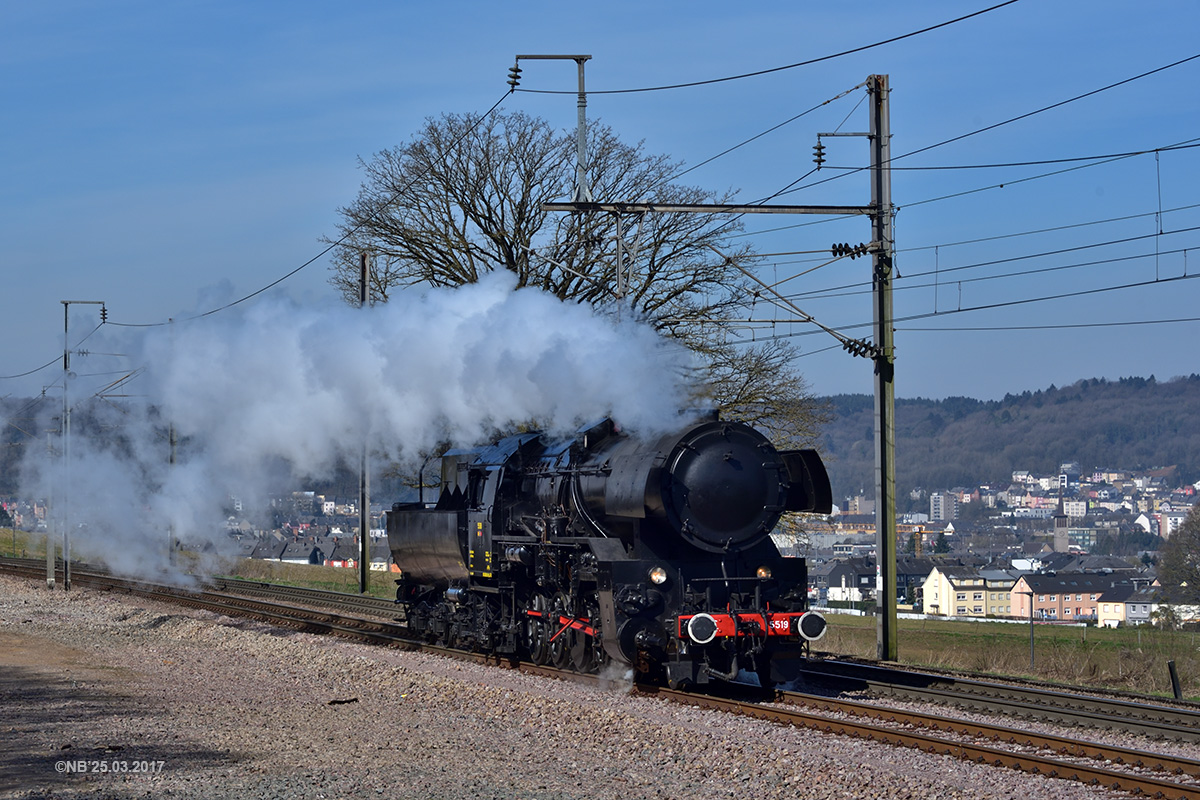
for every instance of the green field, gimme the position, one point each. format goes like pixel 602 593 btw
pixel 1130 658
pixel 22 544
pixel 334 579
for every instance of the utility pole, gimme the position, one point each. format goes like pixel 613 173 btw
pixel 51 514
pixel 885 368
pixel 172 443
pixel 66 425
pixel 1031 660
pixel 364 476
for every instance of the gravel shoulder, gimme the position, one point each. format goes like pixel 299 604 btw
pixel 234 709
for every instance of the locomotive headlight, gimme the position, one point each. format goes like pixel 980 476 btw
pixel 658 576
pixel 764 572
pixel 811 626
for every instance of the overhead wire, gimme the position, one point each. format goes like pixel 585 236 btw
pixel 25 409
pixel 984 239
pixel 997 305
pixel 1091 160
pixel 279 280
pixel 1061 296
pixel 808 62
pixel 1057 326
pixel 972 191
pixel 332 246
pixel 1187 145
pixel 1023 273
pixel 56 359
pixel 1046 327
pixel 1057 252
pixel 1009 121
pixel 1030 178
pixel 761 134
pixel 849 289
pixel 1050 107
pixel 1054 229
pixel 272 284
pixel 1100 161
pixel 787 189
pixel 33 371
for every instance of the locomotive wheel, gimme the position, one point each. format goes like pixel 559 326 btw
pixel 581 652
pixel 600 656
pixel 563 640
pixel 537 637
pixel 589 655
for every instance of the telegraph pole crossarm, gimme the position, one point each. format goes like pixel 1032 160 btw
pixel 707 208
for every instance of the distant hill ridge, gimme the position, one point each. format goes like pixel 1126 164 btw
pixel 1130 423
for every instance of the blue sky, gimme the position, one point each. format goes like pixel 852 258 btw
pixel 169 158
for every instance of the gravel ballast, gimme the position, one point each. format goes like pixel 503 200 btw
pixel 235 709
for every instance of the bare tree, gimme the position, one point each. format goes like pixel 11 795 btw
pixel 464 197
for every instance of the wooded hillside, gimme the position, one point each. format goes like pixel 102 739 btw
pixel 1131 423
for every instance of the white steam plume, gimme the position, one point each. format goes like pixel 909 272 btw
pixel 308 386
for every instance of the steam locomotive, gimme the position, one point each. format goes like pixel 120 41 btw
pixel 607 548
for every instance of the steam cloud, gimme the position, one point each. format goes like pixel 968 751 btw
pixel 282 390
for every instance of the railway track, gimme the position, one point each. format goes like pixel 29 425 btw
pixel 1125 769
pixel 1121 769
pixel 372 606
pixel 296 608
pixel 1141 717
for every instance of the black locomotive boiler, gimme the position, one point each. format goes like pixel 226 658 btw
pixel 604 547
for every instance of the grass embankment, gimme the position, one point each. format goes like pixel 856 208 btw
pixel 1132 659
pixel 1128 658
pixel 24 544
pixel 334 579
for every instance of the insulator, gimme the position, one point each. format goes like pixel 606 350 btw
pixel 857 347
pixel 819 154
pixel 514 77
pixel 104 313
pixel 853 251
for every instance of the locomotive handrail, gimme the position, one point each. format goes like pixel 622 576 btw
pixel 581 507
